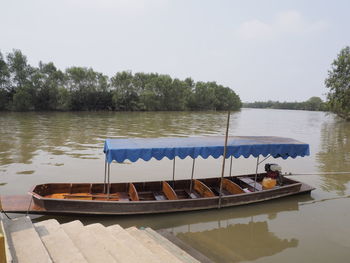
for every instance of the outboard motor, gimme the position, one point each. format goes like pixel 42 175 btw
pixel 273 171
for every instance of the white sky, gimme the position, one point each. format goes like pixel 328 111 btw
pixel 278 50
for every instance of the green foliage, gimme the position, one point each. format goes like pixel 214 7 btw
pixel 155 92
pixel 23 99
pixel 312 104
pixel 126 94
pixel 25 88
pixel 4 83
pixel 338 83
pixel 20 88
pixel 211 96
pixel 47 80
pixel 87 88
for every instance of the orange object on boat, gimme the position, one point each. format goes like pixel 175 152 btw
pixel 268 183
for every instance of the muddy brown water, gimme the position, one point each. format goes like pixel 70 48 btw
pixel 67 147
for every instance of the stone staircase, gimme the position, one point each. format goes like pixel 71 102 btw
pixel 50 241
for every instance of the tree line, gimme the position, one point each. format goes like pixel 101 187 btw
pixel 46 88
pixel 338 83
pixel 312 104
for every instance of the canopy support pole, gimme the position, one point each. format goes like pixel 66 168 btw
pixel 231 167
pixel 174 172
pixel 224 158
pixel 109 182
pixel 267 157
pixel 256 172
pixel 191 185
pixel 104 185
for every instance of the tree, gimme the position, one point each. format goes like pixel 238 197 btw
pixel 211 96
pixel 26 88
pixel 203 97
pixel 4 83
pixel 125 93
pixel 88 89
pixel 226 99
pixel 20 87
pixel 338 83
pixel 314 104
pixel 47 81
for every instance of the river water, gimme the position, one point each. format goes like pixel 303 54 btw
pixel 67 147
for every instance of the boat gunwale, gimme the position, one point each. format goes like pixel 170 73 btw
pixel 39 197
pixel 108 213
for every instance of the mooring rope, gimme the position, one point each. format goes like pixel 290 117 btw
pixel 324 200
pixel 325 173
pixel 30 203
pixel 2 211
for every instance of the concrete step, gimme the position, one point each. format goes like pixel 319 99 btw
pixel 27 244
pixel 139 249
pixel 152 245
pixel 59 245
pixel 115 246
pixel 175 250
pixel 5 254
pixel 182 245
pixel 92 250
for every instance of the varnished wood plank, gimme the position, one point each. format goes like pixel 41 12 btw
pixel 133 193
pixel 232 187
pixel 87 196
pixel 202 189
pixel 169 191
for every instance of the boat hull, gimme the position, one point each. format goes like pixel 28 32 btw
pixel 165 206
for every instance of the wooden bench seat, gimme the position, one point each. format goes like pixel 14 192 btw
pixel 88 196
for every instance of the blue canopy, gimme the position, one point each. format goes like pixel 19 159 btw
pixel 146 148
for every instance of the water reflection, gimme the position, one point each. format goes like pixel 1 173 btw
pixel 81 134
pixel 334 155
pixel 238 242
pixel 209 219
pixel 226 235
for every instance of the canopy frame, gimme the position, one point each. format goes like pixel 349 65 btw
pixel 120 150
pixel 200 146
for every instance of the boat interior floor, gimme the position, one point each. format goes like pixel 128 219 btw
pixel 148 191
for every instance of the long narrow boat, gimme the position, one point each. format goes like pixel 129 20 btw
pixel 168 195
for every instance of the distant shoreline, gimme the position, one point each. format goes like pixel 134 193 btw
pixel 312 104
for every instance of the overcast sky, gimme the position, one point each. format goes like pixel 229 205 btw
pixel 278 50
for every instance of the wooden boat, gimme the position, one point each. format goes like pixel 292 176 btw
pixel 167 196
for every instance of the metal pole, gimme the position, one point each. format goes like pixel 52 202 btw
pixel 256 172
pixel 104 185
pixel 191 185
pixel 174 172
pixel 231 167
pixel 267 157
pixel 109 173
pixel 224 158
